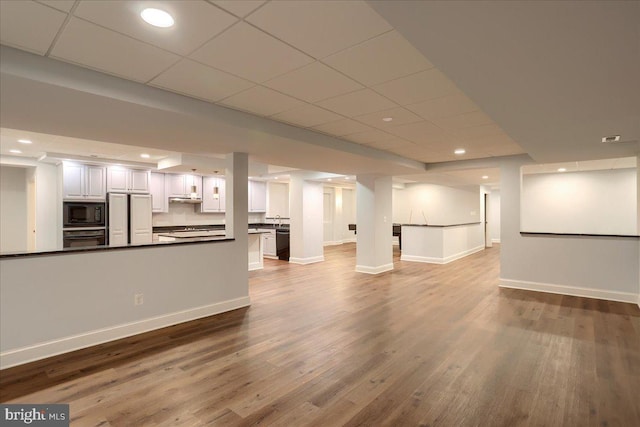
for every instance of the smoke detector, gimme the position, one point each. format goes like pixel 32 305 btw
pixel 611 139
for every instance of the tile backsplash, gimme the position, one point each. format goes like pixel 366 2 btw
pixel 185 214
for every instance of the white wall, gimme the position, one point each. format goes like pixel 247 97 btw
pixel 494 215
pixel 184 214
pixel 47 209
pixel 63 302
pixel 348 213
pixel 599 267
pixel 278 199
pixel 440 205
pixel 591 202
pixel 13 209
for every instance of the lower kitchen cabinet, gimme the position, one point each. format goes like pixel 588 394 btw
pixel 269 244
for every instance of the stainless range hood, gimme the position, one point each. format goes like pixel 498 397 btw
pixel 184 200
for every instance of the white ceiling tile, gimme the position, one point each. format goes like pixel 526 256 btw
pixel 418 87
pixel 320 28
pixel 399 115
pixel 262 101
pixel 371 137
pixel 95 47
pixel 28 25
pixel 477 132
pixel 239 8
pixel 443 107
pixel 200 81
pixel 418 132
pixel 307 116
pixel 342 127
pixel 357 103
pixel 251 54
pixel 462 121
pixel 394 145
pixel 63 5
pixel 195 21
pixel 313 82
pixel 383 58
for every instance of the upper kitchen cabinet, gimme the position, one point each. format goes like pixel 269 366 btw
pixel 257 196
pixel 213 194
pixel 159 198
pixel 180 185
pixel 123 180
pixel 84 182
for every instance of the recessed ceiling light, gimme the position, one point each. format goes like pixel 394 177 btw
pixel 157 17
pixel 460 151
pixel 347 178
pixel 328 179
pixel 24 141
pixel 485 176
pixel 276 177
pixel 562 169
pixel 15 151
pixel 387 119
pixel 145 155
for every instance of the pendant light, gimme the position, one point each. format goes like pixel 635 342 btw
pixel 194 189
pixel 216 189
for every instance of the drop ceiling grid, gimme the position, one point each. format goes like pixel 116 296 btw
pixel 459 125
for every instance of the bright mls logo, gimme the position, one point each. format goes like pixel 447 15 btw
pixel 34 415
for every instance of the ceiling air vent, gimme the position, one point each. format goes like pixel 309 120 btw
pixel 611 139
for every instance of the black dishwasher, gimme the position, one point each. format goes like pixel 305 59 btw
pixel 282 243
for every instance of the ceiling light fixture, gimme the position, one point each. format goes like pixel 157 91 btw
pixel 145 156
pixel 24 141
pixel 485 176
pixel 387 119
pixel 460 151
pixel 157 17
pixel 15 151
pixel 328 179
pixel 562 169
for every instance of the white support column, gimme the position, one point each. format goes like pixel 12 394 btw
pixel 374 249
pixel 306 238
pixel 236 197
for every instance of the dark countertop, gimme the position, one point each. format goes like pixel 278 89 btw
pixel 538 233
pixel 66 251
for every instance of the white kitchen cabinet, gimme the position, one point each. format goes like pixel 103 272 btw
pixel 269 243
pixel 210 202
pixel 118 219
pixel 257 196
pixel 159 199
pixel 123 180
pixel 140 223
pixel 85 182
pixel 180 185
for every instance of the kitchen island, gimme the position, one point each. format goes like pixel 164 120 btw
pixel 440 244
pixel 256 249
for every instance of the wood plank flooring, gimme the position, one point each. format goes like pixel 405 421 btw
pixel 321 345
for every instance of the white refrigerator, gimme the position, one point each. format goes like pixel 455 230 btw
pixel 129 219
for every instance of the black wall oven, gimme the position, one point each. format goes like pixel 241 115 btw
pixel 83 238
pixel 83 214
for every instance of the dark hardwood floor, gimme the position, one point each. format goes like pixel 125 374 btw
pixel 321 345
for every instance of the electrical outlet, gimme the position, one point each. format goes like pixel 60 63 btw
pixel 138 299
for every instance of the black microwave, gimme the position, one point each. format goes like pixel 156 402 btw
pixel 83 214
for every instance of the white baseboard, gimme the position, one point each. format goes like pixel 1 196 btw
pixel 445 260
pixel 569 290
pixel 332 243
pixel 256 266
pixel 309 260
pixel 374 270
pixel 351 240
pixel 271 256
pixel 495 240
pixel 35 352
